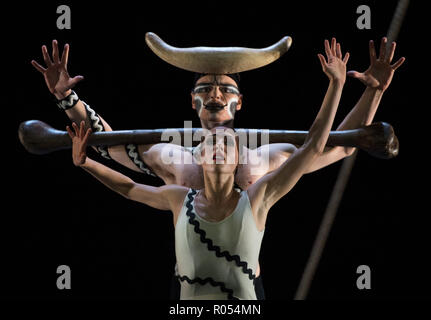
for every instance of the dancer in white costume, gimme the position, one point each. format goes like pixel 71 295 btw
pixel 218 230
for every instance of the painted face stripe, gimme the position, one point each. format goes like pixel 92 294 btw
pixel 229 87
pixel 231 106
pixel 199 105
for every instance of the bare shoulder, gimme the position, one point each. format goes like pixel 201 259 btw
pixel 175 195
pixel 271 155
pixel 157 150
pixel 164 157
pixel 275 154
pixel 256 195
pixel 173 191
pixel 284 149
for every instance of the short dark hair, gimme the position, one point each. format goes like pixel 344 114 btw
pixel 235 77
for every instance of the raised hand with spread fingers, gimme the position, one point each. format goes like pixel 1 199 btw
pixel 56 76
pixel 79 142
pixel 380 72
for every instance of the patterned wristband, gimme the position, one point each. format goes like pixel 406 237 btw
pixel 68 102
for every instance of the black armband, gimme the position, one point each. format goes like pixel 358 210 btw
pixel 69 102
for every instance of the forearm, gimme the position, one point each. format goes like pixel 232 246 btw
pixel 276 184
pixel 156 197
pixel 364 111
pixel 83 112
pixel 110 178
pixel 362 114
pixel 286 176
pixel 319 131
pixel 77 113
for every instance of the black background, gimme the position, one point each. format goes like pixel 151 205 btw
pixel 54 213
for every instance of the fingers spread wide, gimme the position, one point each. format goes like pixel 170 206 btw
pixel 383 48
pixel 354 74
pixel 397 64
pixel 327 48
pixel 38 66
pixel 55 54
pixel 391 52
pixel 372 51
pixel 70 132
pixel 46 57
pixel 81 129
pixel 65 55
pixel 322 60
pixel 333 46
pixel 339 55
pixel 346 57
pixel 75 127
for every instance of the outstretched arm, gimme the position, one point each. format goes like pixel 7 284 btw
pixel 58 80
pixel 60 84
pixel 163 198
pixel 270 188
pixel 377 79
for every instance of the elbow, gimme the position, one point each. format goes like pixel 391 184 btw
pixel 311 153
pixel 126 195
pixel 126 190
pixel 348 151
pixel 314 142
pixel 319 149
pixel 314 148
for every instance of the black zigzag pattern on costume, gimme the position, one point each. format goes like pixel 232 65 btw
pixel 97 126
pixel 132 152
pixel 209 242
pixel 212 282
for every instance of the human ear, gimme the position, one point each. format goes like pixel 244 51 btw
pixel 239 103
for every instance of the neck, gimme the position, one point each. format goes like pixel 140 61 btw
pixel 218 187
pixel 207 124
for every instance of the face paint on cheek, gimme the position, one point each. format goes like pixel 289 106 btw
pixel 231 107
pixel 198 104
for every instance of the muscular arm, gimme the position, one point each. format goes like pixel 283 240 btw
pixel 118 153
pixel 162 198
pixel 273 186
pixel 156 197
pixel 362 114
pixel 60 84
pixel 279 182
pixel 377 79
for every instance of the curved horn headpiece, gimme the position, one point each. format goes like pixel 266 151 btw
pixel 217 60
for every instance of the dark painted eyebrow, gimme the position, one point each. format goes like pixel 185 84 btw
pixel 212 83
